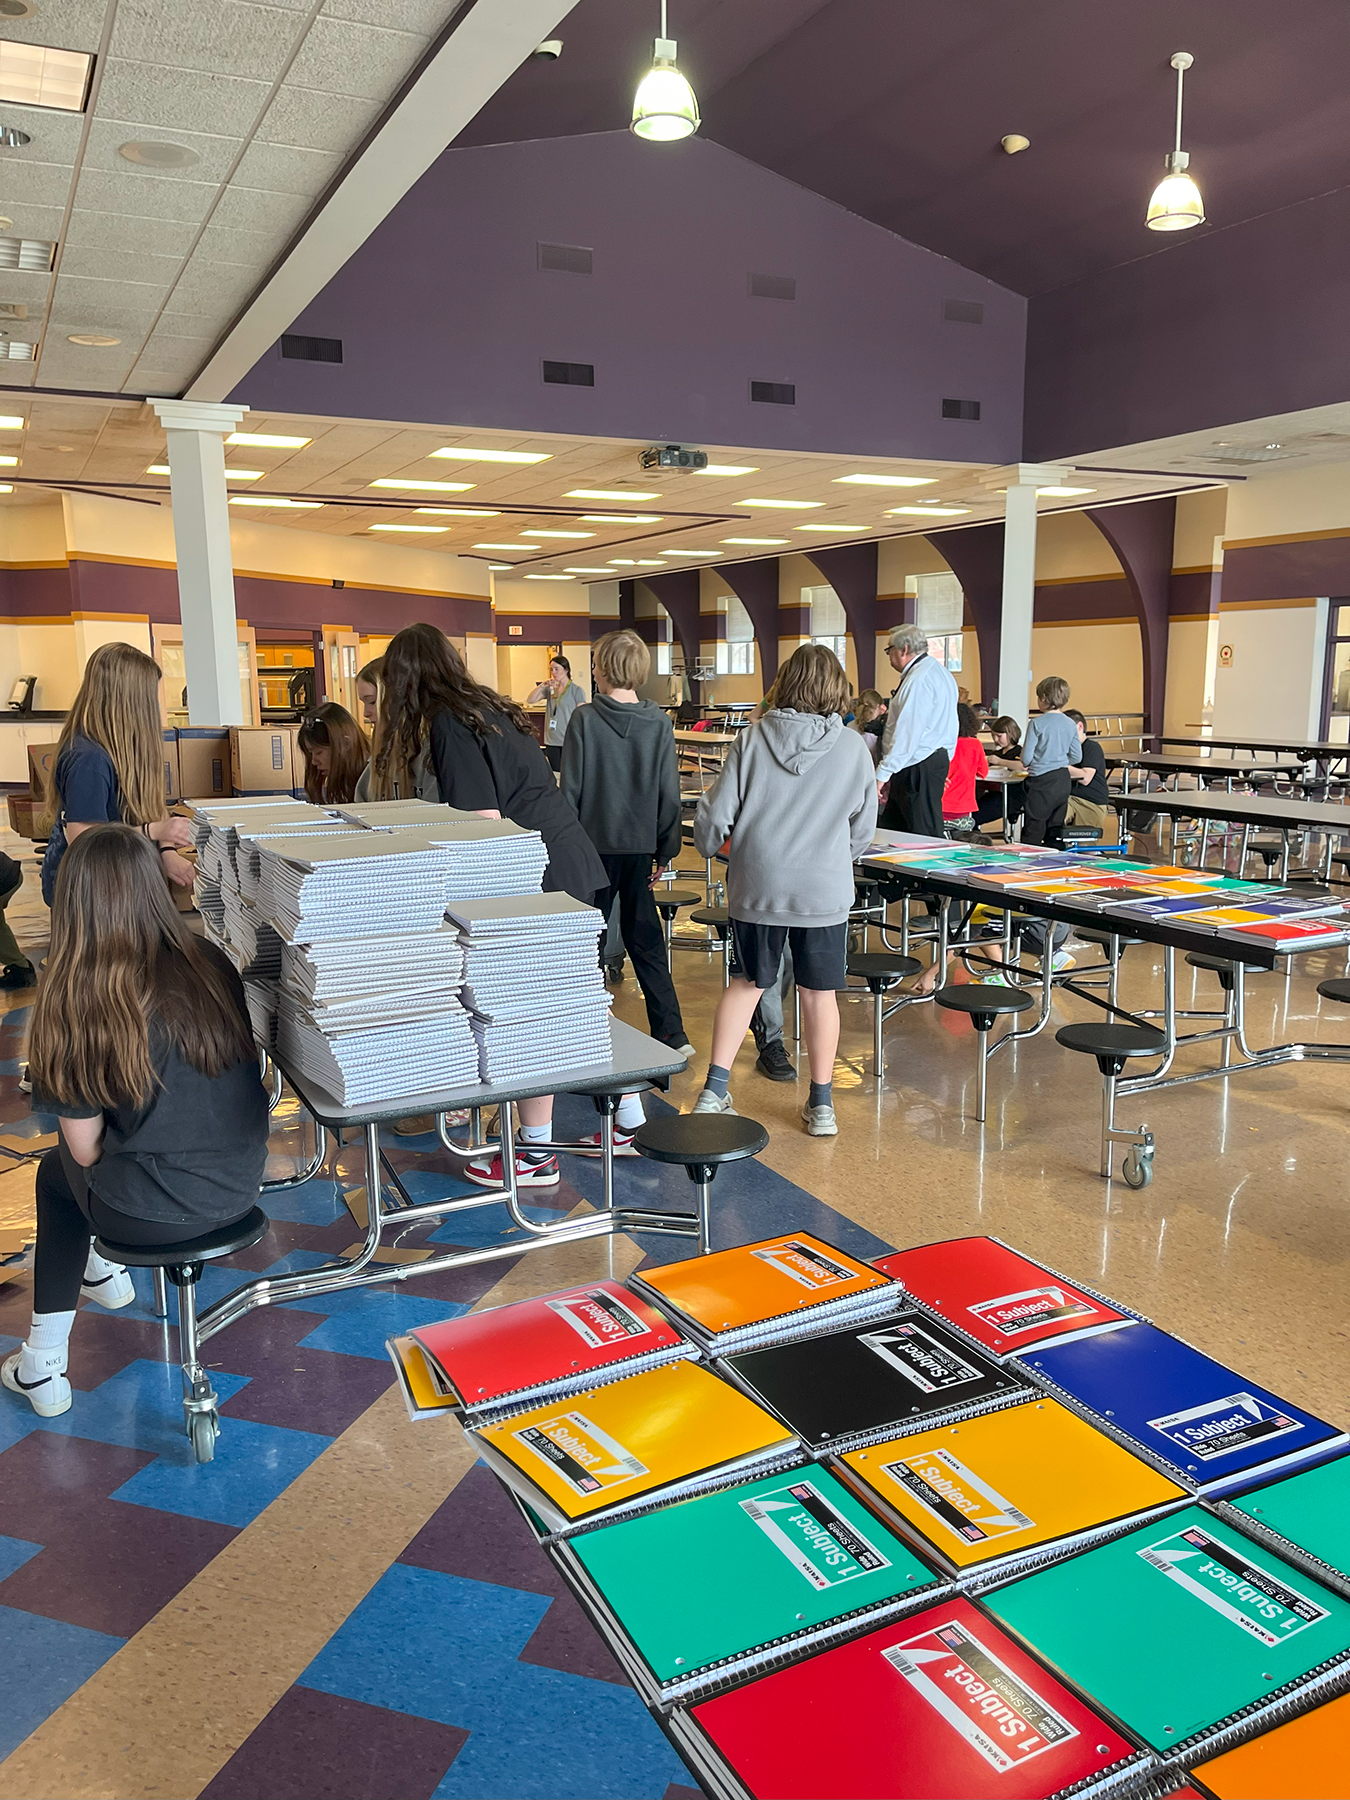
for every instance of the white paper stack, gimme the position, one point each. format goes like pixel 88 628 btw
pixel 369 1063
pixel 261 997
pixel 206 896
pixel 424 962
pixel 533 984
pixel 360 884
pixel 248 848
pixel 253 944
pixel 402 812
pixel 217 830
pixel 485 858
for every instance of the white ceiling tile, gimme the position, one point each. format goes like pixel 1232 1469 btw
pixel 216 154
pixel 44 184
pixel 285 169
pixel 251 209
pixel 245 249
pixel 100 262
pixel 147 97
pixel 55 135
pixel 360 60
pixel 120 196
pixel 70 365
pixel 427 17
pixel 222 287
pixel 25 286
pixel 229 37
pixel 103 305
pixel 121 232
pixel 312 120
pixel 42 222
pixel 69 25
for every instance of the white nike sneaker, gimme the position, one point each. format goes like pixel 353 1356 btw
pixel 113 1290
pixel 45 1389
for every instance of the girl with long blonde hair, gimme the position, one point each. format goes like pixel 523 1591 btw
pixel 109 763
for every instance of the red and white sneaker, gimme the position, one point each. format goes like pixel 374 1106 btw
pixel 531 1171
pixel 623 1143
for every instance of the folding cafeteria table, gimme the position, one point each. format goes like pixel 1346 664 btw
pixel 1274 812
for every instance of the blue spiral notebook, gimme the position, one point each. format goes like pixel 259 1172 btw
pixel 1203 1421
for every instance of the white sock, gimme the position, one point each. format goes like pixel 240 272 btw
pixel 630 1114
pixel 48 1339
pixel 98 1268
pixel 535 1134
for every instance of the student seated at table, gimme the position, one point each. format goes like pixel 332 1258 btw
pixel 968 764
pixel 141 1046
pixel 1006 754
pixel 1051 747
pixel 336 753
pixel 796 804
pixel 1091 796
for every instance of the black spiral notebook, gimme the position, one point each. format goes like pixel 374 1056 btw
pixel 883 1375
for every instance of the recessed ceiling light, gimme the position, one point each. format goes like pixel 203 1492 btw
pixel 407 528
pixel 727 469
pixel 621 518
pixel 36 75
pixel 275 501
pixel 689 553
pixel 498 567
pixel 505 546
pixel 14 351
pixel 929 512
pixel 648 562
pixel 462 453
pixel 158 153
pixel 580 571
pixel 12 422
pixel 94 340
pixel 267 440
pixel 754 540
pixel 159 469
pixel 887 480
pixel 11 138
pixel 606 494
pixel 244 474
pixel 787 505
pixel 548 578
pixel 558 534
pixel 1064 493
pixel 428 487
pixel 832 528
pixel 9 462
pixel 459 512
pixel 5 488
pixel 622 562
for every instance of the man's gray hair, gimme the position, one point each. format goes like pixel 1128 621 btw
pixel 912 638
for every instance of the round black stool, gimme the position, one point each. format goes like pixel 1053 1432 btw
pixel 720 920
pixel 1113 1045
pixel 668 904
pixel 1338 988
pixel 1222 966
pixel 182 1263
pixel 982 1004
pixel 1113 945
pixel 702 1142
pixel 881 972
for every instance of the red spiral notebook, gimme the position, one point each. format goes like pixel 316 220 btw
pixel 1004 1301
pixel 512 1354
pixel 941 1704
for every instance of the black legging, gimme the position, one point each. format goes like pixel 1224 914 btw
pixel 68 1213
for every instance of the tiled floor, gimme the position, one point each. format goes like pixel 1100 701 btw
pixel 344 1605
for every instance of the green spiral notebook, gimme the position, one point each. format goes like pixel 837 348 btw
pixel 1305 1517
pixel 691 1593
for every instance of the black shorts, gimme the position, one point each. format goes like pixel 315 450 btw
pixel 819 953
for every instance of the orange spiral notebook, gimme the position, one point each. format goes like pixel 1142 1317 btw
pixel 1307 1758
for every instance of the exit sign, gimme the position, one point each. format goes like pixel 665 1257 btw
pixel 515 631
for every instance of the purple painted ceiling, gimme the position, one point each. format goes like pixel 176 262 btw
pixel 895 110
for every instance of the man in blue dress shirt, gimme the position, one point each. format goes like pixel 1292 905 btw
pixel 920 735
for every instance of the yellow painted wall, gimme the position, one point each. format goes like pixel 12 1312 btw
pixel 1102 663
pixel 1192 646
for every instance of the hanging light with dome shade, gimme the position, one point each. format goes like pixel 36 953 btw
pixel 664 107
pixel 1176 204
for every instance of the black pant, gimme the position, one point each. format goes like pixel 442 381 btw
pixel 915 799
pixel 554 754
pixel 643 939
pixel 991 804
pixel 1045 804
pixel 68 1213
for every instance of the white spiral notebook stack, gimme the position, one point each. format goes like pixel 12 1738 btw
pixel 485 857
pixel 364 1062
pixel 358 884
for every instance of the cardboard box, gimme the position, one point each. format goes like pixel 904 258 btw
pixel 204 763
pixel 172 791
pixel 262 759
pixel 27 817
pixel 40 760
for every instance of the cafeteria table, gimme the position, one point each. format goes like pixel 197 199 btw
pixel 1307 749
pixel 1253 812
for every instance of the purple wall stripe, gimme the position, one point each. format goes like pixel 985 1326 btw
pixel 1291 571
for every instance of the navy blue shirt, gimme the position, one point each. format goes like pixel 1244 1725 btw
pixel 89 794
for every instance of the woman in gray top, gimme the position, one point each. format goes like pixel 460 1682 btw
pixel 562 697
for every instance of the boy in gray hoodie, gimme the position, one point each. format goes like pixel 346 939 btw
pixel 797 800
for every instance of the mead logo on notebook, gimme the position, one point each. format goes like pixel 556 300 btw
pixel 931 1366
pixel 998 1714
pixel 808 1268
pixel 598 1318
pixel 586 1457
pixel 1012 1313
pixel 1221 1426
pixel 956 1497
pixel 821 1545
pixel 1240 1590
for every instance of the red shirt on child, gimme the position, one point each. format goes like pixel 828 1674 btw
pixel 967 764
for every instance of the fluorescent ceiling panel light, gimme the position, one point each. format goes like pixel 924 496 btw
pixel 1064 493
pixel 887 480
pixel 727 469
pixel 12 423
pixel 621 518
pixel 9 462
pixel 6 488
pixel 267 440
pixel 407 528
pixel 832 528
pixel 34 75
pixel 429 487
pixel 462 453
pixel 928 512
pixel 13 351
pixel 787 505
pixel 580 571
pixel 622 562
pixel 558 534
pixel 459 512
pixel 689 553
pixel 268 500
pixel 244 474
pixel 606 494
pixel 159 469
pixel 754 540
pixel 649 562
pixel 505 546
pixel 498 567
pixel 548 578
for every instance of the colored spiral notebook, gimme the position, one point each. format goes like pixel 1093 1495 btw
pixel 1305 1758
pixel 939 1705
pixel 1006 1485
pixel 882 1375
pixel 423 1395
pixel 735 1298
pixel 509 1354
pixel 1304 1516
pixel 661 1432
pixel 700 1591
pixel 1002 1300
pixel 1205 1422
pixel 1180 1628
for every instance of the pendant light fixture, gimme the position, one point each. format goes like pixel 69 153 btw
pixel 664 107
pixel 1176 204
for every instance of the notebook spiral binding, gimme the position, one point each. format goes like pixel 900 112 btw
pixel 705 1484
pixel 570 1387
pixel 1336 1579
pixel 782 1328
pixel 1325 1682
pixel 953 1415
pixel 982 1581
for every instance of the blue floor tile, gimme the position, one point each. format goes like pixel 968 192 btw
pixel 141 1408
pixel 360 1321
pixel 316 1203
pixel 253 1464
pixel 45 1661
pixel 14 1553
pixel 445 1648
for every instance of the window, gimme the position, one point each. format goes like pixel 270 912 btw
pixel 939 610
pixel 735 657
pixel 828 623
pixel 663 659
pixel 947 651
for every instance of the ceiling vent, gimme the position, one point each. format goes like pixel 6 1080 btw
pixel 295 348
pixel 567 259
pixel 963 312
pixel 12 351
pixel 773 287
pixel 960 409
pixel 569 374
pixel 774 393
pixel 13 311
pixel 1238 455
pixel 26 253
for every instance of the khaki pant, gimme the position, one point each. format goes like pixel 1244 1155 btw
pixel 1085 812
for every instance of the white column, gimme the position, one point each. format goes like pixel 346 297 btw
pixel 1019 483
pixel 201 529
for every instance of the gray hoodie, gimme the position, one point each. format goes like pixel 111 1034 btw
pixel 797 797
pixel 618 771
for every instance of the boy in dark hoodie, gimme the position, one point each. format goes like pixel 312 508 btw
pixel 619 773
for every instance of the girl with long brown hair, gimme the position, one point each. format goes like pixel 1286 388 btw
pixel 140 1045
pixel 336 752
pixel 109 763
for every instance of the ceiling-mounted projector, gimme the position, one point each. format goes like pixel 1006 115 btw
pixel 672 456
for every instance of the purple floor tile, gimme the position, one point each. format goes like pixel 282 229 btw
pixel 314 1746
pixel 303 1389
pixel 105 1565
pixel 676 1792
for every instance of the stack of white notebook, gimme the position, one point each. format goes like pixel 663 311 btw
pixel 483 856
pixel 253 945
pixel 217 828
pixel 363 1063
pixel 354 885
pixel 248 863
pixel 533 984
pixel 402 812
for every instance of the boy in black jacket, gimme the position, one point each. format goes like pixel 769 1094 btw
pixel 619 773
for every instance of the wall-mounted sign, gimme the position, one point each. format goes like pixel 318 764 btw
pixel 519 631
pixel 1225 656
